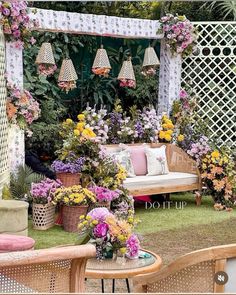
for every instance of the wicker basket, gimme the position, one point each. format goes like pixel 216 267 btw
pixel 69 179
pixel 43 216
pixel 71 216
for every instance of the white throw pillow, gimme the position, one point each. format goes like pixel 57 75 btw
pixel 124 159
pixel 156 161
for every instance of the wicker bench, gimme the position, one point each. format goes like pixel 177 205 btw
pixel 183 175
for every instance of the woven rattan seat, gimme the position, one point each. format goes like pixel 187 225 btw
pixel 192 273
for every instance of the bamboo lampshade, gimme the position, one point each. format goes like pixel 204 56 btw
pixel 67 71
pixel 150 57
pixel 101 59
pixel 45 54
pixel 127 71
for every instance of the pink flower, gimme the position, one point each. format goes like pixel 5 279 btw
pixel 100 230
pixel 183 93
pixel 16 34
pixel 32 40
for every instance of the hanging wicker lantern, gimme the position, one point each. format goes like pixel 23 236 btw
pixel 126 75
pixel 101 65
pixel 150 62
pixel 45 60
pixel 67 76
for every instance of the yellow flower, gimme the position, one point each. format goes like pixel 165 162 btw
pixel 87 132
pixel 80 225
pixel 88 217
pixel 85 222
pixel 180 137
pixel 76 132
pixel 69 121
pixel 162 134
pixel 94 222
pixel 204 166
pixel 121 238
pixel 167 137
pixel 215 154
pixel 225 159
pixel 66 200
pixel 81 217
pixel 81 117
pixel 169 132
pixel 80 126
pixel 123 250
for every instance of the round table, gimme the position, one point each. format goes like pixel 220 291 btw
pixel 118 269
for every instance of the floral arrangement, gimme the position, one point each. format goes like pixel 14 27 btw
pixel 179 34
pixel 46 69
pixel 148 71
pixel 22 109
pixel 43 191
pixel 199 149
pixel 75 195
pixel 108 232
pixel 68 166
pixel 218 173
pixel 95 120
pixel 15 21
pixel 67 85
pixel 127 83
pixel 101 71
pixel 104 194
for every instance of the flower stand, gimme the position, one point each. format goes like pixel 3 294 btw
pixel 43 216
pixel 71 215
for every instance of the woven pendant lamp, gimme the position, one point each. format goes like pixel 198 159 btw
pixel 101 65
pixel 45 54
pixel 67 76
pixel 126 75
pixel 150 62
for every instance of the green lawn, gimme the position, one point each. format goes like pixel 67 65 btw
pixel 154 222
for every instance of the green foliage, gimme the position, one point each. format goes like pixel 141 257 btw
pixel 20 182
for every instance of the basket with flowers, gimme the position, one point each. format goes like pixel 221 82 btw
pixel 75 201
pixel 110 234
pixel 43 209
pixel 104 196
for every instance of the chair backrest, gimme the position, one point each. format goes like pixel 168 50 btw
pixel 192 273
pixel 55 270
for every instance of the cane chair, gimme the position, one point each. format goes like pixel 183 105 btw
pixel 55 270
pixel 195 272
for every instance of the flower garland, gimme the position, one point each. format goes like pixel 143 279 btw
pixel 22 109
pixel 15 21
pixel 179 33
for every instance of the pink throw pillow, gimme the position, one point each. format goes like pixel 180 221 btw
pixel 139 160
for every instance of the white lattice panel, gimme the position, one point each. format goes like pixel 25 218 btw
pixel 212 72
pixel 3 117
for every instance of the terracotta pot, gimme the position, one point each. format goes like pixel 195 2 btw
pixel 69 179
pixel 71 216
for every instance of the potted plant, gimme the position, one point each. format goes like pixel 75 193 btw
pixel 110 234
pixel 75 201
pixel 43 210
pixel 104 196
pixel 68 171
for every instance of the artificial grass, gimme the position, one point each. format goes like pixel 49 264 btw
pixel 154 221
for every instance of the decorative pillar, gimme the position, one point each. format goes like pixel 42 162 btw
pixel 4 171
pixel 169 79
pixel 16 140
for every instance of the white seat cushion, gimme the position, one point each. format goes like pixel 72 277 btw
pixel 170 179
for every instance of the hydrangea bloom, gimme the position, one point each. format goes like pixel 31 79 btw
pixel 99 214
pixel 69 166
pixel 132 245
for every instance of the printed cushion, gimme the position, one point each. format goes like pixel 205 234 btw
pixel 156 161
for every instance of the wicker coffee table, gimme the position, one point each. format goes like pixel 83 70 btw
pixel 118 269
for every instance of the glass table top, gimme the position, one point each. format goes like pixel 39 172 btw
pixel 120 263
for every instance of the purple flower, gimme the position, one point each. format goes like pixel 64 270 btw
pixel 100 230
pixel 69 166
pixel 6 11
pixel 99 214
pixel 132 245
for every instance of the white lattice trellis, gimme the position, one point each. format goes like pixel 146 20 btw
pixel 212 72
pixel 3 118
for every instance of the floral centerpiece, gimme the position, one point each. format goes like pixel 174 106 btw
pixel 22 108
pixel 15 21
pixel 109 233
pixel 67 85
pixel 43 210
pixel 75 201
pixel 179 33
